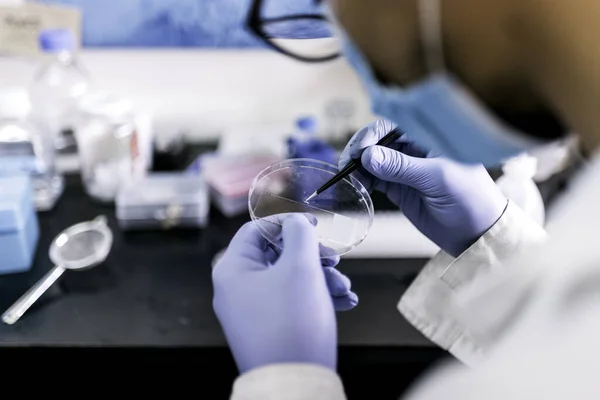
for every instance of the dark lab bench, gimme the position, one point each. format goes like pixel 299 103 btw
pixel 150 303
pixel 146 313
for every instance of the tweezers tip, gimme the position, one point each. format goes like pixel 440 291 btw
pixel 312 196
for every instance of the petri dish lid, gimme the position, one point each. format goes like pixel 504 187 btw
pixel 343 213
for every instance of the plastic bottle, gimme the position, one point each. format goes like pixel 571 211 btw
pixel 304 143
pixel 518 186
pixel 27 149
pixel 58 85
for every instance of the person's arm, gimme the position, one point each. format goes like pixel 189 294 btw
pixel 289 382
pixel 284 339
pixel 550 348
pixel 459 208
pixel 433 302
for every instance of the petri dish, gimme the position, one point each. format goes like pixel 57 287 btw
pixel 343 214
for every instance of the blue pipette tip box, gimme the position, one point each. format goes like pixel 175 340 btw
pixel 19 228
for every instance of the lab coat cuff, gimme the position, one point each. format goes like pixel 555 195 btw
pixel 289 382
pixel 432 303
pixel 510 235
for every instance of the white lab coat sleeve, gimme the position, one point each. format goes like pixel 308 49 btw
pixel 432 303
pixel 289 382
pixel 547 309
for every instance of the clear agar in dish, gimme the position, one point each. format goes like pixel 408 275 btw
pixel 343 214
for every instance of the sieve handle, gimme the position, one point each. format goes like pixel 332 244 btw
pixel 17 310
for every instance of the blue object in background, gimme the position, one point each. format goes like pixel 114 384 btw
pixel 19 230
pixel 183 23
pixel 195 168
pixel 57 40
pixel 307 125
pixel 304 143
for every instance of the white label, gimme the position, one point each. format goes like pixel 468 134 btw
pixel 20 26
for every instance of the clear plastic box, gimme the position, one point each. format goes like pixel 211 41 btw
pixel 163 201
pixel 230 179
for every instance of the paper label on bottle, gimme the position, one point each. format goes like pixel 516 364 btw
pixel 21 24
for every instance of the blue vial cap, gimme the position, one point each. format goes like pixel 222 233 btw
pixel 307 124
pixel 55 40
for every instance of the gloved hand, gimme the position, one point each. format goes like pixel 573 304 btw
pixel 276 306
pixel 450 203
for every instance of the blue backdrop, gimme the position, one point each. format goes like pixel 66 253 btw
pixel 177 23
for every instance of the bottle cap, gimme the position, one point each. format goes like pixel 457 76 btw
pixel 55 40
pixel 14 103
pixel 307 124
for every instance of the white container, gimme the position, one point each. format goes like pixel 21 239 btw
pixel 114 142
pixel 163 201
pixel 518 186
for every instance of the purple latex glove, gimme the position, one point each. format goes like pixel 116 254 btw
pixel 278 306
pixel 450 203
